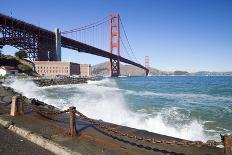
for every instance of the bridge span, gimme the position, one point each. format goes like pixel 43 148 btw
pixel 41 44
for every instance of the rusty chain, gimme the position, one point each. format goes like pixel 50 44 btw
pixel 48 112
pixel 109 130
pixel 43 111
pixel 112 131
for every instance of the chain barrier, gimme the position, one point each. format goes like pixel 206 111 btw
pixel 17 108
pixel 113 131
pixel 48 112
pixel 109 130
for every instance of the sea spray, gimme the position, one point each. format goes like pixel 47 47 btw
pixel 104 100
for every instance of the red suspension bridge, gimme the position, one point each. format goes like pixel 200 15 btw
pixel 102 38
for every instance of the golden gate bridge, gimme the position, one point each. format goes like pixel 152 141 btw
pixel 102 38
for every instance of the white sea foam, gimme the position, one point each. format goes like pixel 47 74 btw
pixel 103 100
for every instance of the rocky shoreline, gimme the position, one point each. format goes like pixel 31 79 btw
pixel 6 94
pixel 63 81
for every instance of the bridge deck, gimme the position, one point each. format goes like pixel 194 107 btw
pixel 13 30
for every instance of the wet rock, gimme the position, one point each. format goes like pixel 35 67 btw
pixel 50 82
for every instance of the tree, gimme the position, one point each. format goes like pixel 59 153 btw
pixel 1 53
pixel 21 54
pixel 24 68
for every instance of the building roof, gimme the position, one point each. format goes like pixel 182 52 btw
pixel 9 68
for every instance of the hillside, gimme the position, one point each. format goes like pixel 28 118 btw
pixel 207 73
pixel 23 65
pixel 102 70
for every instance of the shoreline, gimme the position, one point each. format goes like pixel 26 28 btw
pixel 42 104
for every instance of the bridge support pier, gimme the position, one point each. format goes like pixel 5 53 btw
pixel 58 44
pixel 115 68
pixel 147 72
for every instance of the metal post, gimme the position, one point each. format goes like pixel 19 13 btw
pixel 228 144
pixel 72 121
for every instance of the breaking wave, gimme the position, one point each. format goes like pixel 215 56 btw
pixel 104 100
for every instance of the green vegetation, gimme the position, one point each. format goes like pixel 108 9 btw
pixel 18 62
pixel 1 53
pixel 2 77
pixel 181 73
pixel 24 68
pixel 21 54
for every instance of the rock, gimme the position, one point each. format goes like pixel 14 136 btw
pixel 51 107
pixel 49 82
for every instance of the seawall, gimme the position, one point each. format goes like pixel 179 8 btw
pixel 90 140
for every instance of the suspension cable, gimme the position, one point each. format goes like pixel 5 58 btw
pixel 128 42
pixel 125 49
pixel 95 24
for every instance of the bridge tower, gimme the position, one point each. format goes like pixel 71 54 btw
pixel 146 62
pixel 115 45
pixel 58 44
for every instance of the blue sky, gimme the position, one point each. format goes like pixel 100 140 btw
pixel 192 35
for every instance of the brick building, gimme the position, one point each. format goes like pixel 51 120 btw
pixel 85 69
pixel 54 68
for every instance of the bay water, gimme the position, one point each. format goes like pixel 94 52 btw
pixel 193 108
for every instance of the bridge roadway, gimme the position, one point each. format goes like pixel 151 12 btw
pixel 81 47
pixel 9 25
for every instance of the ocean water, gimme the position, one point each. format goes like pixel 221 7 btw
pixel 193 108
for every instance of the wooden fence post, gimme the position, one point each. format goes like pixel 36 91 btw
pixel 20 106
pixel 16 106
pixel 72 121
pixel 228 144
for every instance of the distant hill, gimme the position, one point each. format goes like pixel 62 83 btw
pixel 206 73
pixel 102 70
